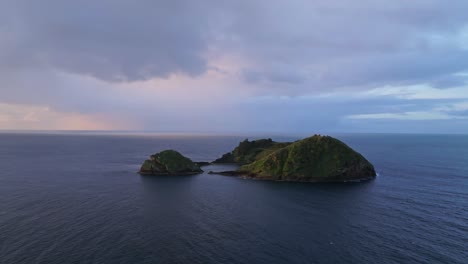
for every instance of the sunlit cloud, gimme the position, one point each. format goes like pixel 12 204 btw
pixel 13 116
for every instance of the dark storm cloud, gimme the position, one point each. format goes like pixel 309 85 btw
pixel 315 43
pixel 111 40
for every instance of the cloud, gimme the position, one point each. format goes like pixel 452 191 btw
pixel 418 92
pixel 110 40
pixel 458 109
pixel 435 111
pixel 350 45
pixel 37 117
pixel 407 116
pixel 449 81
pixel 281 75
pixel 210 64
pixel 331 43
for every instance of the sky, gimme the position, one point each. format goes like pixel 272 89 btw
pixel 296 66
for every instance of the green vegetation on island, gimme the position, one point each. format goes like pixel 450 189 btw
pixel 249 151
pixel 314 159
pixel 169 162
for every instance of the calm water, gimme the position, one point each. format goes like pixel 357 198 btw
pixel 77 199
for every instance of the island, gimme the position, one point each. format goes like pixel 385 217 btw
pixel 169 162
pixel 313 159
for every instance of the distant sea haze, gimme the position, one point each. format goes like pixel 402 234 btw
pixel 71 198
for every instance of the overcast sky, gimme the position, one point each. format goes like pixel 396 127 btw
pixel 296 66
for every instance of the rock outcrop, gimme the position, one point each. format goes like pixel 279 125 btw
pixel 169 162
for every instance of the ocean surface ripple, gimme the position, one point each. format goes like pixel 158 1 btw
pixel 76 198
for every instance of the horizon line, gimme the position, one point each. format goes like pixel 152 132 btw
pixel 213 133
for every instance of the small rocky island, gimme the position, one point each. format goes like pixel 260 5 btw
pixel 169 162
pixel 314 159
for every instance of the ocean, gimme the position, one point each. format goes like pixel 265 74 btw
pixel 76 198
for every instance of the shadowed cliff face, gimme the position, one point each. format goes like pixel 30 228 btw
pixel 169 162
pixel 314 159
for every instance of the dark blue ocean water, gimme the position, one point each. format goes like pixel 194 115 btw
pixel 68 198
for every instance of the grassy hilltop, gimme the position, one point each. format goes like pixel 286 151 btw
pixel 314 159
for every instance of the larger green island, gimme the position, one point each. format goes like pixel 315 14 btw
pixel 313 159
